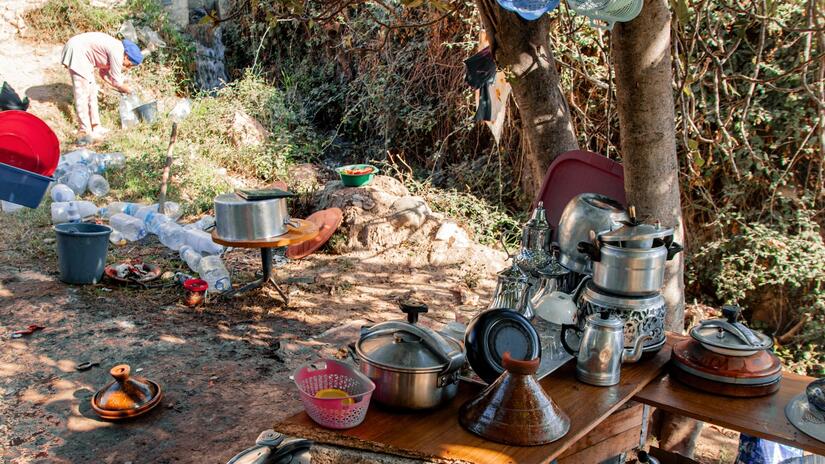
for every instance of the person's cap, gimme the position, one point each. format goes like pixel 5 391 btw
pixel 133 52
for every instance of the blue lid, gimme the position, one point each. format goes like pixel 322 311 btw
pixel 529 9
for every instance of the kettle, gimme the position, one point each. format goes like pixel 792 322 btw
pixel 601 350
pixel 513 292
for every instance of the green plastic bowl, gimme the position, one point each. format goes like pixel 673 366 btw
pixel 359 180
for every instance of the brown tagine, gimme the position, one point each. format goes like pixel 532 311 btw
pixel 126 396
pixel 514 409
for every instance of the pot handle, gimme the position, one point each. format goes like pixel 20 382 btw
pixel 673 249
pixel 288 221
pixel 590 250
pixel 567 347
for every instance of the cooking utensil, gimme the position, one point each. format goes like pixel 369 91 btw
pixel 728 337
pixel 586 212
pixel 237 219
pixel 601 350
pixel 273 448
pixel 515 409
pixel 413 367
pixel 127 396
pixel 642 315
pixel 341 412
pixel 513 292
pixel 497 331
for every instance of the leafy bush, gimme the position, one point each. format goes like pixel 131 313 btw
pixel 63 19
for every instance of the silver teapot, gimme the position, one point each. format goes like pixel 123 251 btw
pixel 535 252
pixel 513 291
pixel 601 350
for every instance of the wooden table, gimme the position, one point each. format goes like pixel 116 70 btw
pixel 762 417
pixel 437 433
pixel 306 230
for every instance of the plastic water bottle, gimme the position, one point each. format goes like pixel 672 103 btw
pixel 130 227
pixel 202 242
pixel 61 192
pixel 9 207
pixel 171 210
pixel 119 207
pixel 153 221
pixel 128 117
pixel 191 257
pixel 76 178
pixel 181 110
pixel 201 224
pixel 116 238
pixel 215 273
pixel 172 235
pixel 72 213
pixel 98 185
pixel 60 210
pixel 82 156
pixel 106 161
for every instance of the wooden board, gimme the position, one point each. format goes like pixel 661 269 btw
pixel 761 417
pixel 618 433
pixel 436 434
pixel 305 231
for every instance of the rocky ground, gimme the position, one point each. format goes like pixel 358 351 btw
pixel 224 367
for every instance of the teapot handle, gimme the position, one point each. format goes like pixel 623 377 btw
pixel 567 347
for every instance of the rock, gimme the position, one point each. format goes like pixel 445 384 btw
pixel 245 131
pixel 453 234
pixel 409 212
pixel 305 177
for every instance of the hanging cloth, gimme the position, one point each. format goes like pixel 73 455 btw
pixel 481 74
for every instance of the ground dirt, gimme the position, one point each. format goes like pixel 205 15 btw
pixel 224 367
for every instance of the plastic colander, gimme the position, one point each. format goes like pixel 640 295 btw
pixel 609 11
pixel 336 413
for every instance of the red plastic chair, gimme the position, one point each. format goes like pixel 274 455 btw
pixel 576 172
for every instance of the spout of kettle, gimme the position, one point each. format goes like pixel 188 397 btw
pixel 634 354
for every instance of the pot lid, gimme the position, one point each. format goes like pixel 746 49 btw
pixel 634 230
pixel 127 396
pixel 759 368
pixel 405 347
pixel 729 334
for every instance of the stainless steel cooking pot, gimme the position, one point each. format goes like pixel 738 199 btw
pixel 586 212
pixel 240 219
pixel 413 367
pixel 631 260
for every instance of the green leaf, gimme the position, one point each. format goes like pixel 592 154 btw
pixel 697 157
pixel 681 9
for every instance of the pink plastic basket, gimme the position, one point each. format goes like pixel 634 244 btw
pixel 334 413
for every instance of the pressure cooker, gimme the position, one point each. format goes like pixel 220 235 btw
pixel 413 367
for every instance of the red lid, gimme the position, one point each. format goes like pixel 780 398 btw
pixel 26 142
pixel 327 221
pixel 195 285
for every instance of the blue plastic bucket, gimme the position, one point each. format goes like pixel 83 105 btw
pixel 22 187
pixel 81 252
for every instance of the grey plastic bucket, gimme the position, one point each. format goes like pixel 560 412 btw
pixel 81 252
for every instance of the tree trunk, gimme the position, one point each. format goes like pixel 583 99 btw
pixel 642 61
pixel 522 48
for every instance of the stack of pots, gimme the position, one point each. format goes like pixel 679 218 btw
pixel 627 269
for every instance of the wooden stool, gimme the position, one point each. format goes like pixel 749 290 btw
pixel 305 231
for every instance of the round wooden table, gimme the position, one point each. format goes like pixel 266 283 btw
pixel 305 231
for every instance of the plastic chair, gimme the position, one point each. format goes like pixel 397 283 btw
pixel 576 172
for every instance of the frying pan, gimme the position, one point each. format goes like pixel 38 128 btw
pixel 495 332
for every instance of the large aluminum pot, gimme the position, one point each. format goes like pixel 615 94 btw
pixel 413 367
pixel 239 219
pixel 586 212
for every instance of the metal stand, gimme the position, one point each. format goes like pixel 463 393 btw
pixel 266 260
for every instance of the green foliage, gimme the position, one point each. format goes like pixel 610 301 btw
pixel 63 19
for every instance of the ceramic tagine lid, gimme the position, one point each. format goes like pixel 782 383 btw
pixel 126 396
pixel 729 337
pixel 515 409
pixel 807 410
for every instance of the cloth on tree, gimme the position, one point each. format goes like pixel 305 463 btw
pixel 481 74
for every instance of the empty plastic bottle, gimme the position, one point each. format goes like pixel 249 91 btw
pixel 191 257
pixel 119 207
pixel 201 224
pixel 202 242
pixel 171 210
pixel 172 235
pixel 116 238
pixel 152 221
pixel 72 213
pixel 107 161
pixel 76 178
pixel 98 185
pixel 9 207
pixel 60 210
pixel 215 273
pixel 82 156
pixel 130 227
pixel 128 117
pixel 61 192
pixel 181 110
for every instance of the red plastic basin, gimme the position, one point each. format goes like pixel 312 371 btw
pixel 28 143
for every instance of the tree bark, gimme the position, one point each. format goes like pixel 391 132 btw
pixel 642 61
pixel 522 49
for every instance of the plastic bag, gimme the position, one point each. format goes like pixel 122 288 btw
pixel 150 39
pixel 9 100
pixel 127 31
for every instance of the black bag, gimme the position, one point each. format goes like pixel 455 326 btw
pixel 481 74
pixel 9 100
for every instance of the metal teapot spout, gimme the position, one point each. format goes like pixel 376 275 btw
pixel 634 354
